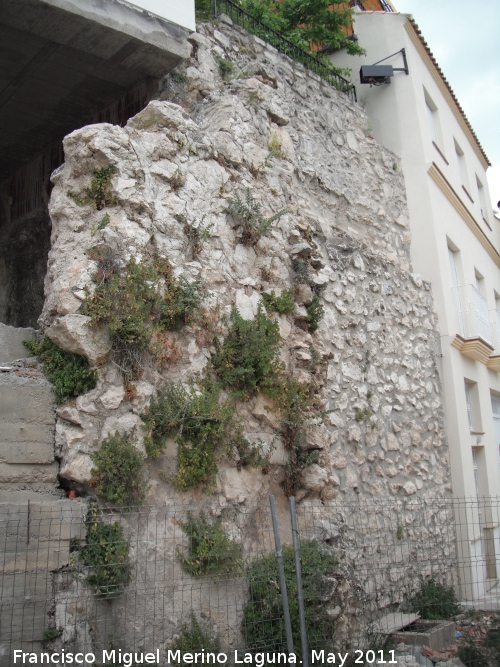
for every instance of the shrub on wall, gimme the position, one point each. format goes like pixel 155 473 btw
pixel 433 601
pixel 105 553
pixel 136 302
pixel 211 551
pixel 248 358
pixel 201 423
pixel 70 374
pixel 117 472
pixel 263 626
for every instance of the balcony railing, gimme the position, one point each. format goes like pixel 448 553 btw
pixel 473 316
pixel 280 43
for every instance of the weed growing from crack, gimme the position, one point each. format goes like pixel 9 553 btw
pixel 193 637
pixel 104 223
pixel 197 235
pixel 275 147
pixel 295 402
pixel 226 68
pixel 315 312
pixel 99 194
pixel 361 415
pixel 248 213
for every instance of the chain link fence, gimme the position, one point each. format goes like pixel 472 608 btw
pixel 78 578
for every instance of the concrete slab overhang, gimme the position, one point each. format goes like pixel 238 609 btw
pixel 60 60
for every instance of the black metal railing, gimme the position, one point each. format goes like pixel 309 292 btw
pixel 285 46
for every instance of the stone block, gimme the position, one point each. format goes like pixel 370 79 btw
pixel 28 473
pixel 23 442
pixel 11 342
pixel 23 400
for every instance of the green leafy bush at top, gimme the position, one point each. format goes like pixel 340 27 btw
pixel 262 624
pixel 117 472
pixel 433 601
pixel 137 301
pixel 248 359
pixel 204 10
pixel 193 637
pixel 70 374
pixel 248 213
pixel 200 423
pixel 99 194
pixel 308 22
pixel 105 553
pixel 283 304
pixel 211 551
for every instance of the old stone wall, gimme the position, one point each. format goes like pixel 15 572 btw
pixel 275 130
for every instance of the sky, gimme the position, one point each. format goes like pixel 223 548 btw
pixel 464 37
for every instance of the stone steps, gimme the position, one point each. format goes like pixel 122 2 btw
pixel 27 420
pixel 35 534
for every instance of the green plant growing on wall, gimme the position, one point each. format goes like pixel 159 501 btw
pixel 50 634
pixel 248 358
pixel 99 194
pixel 192 637
pixel 248 213
pixel 70 374
pixel 211 551
pixel 275 147
pixel 137 301
pixel 102 225
pixel 197 234
pixel 177 180
pixel 295 402
pixel 105 553
pixel 315 312
pixel 200 423
pixel 283 305
pixel 362 414
pixel 300 268
pixel 433 601
pixel 117 472
pixel 262 624
pixel 226 68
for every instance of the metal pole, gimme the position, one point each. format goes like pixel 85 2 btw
pixel 281 572
pixel 298 575
pixel 215 8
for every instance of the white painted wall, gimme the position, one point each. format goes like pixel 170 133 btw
pixel 180 12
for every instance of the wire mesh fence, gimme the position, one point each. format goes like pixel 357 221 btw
pixel 78 578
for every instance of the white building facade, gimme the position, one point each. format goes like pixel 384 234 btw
pixel 455 243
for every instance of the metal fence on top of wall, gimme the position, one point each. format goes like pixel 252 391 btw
pixel 81 578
